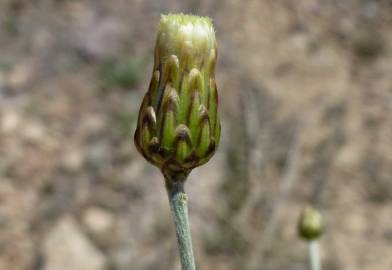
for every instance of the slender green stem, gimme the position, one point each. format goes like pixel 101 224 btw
pixel 178 204
pixel 314 255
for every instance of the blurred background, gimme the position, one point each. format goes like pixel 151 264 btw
pixel 306 102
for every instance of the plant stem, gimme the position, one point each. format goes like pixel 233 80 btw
pixel 178 204
pixel 314 255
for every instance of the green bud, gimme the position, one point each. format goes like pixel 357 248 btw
pixel 178 126
pixel 310 225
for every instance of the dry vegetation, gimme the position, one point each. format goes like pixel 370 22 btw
pixel 306 98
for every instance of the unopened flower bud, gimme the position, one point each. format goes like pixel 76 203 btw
pixel 310 225
pixel 178 126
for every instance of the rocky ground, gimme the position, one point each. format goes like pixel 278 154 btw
pixel 306 102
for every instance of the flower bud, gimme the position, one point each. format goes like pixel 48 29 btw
pixel 178 126
pixel 310 225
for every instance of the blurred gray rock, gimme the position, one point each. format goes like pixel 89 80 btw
pixel 97 220
pixel 34 132
pixel 101 38
pixel 9 121
pixel 73 159
pixel 66 247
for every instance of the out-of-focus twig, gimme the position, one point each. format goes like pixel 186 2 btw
pixel 289 179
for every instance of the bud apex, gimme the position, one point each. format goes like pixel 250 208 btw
pixel 310 225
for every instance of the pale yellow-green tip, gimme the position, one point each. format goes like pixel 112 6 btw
pixel 187 36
